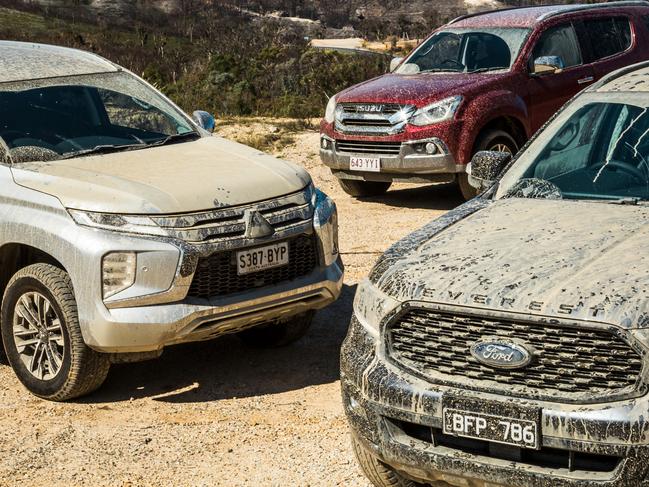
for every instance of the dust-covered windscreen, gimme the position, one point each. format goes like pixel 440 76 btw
pixel 599 152
pixel 466 51
pixel 67 117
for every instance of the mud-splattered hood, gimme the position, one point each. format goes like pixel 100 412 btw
pixel 207 173
pixel 583 260
pixel 417 89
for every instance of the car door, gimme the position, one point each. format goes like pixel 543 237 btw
pixel 611 44
pixel 548 92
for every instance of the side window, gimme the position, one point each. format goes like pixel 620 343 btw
pixel 129 112
pixel 559 41
pixel 608 36
pixel 570 149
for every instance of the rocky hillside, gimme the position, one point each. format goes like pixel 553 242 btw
pixel 333 13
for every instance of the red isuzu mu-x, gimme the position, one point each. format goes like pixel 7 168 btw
pixel 482 82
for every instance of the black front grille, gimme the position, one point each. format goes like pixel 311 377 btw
pixel 367 122
pixel 216 275
pixel 569 363
pixel 360 147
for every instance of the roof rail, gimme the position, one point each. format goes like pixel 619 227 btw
pixel 484 12
pixel 563 10
pixel 589 6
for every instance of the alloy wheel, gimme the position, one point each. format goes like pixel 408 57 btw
pixel 38 335
pixel 501 148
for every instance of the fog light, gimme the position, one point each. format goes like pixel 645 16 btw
pixel 117 272
pixel 431 148
pixel 325 143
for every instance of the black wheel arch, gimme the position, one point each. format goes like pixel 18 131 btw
pixel 16 256
pixel 507 123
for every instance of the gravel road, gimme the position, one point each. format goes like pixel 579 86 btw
pixel 219 413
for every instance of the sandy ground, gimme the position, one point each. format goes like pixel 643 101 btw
pixel 219 413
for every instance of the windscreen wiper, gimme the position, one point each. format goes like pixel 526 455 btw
pixel 175 138
pixel 484 70
pixel 628 200
pixel 101 149
pixel 440 70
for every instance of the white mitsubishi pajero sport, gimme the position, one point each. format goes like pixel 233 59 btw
pixel 127 227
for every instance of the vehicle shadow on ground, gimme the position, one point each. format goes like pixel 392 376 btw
pixel 225 368
pixel 431 197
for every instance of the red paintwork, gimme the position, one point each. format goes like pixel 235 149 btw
pixel 528 100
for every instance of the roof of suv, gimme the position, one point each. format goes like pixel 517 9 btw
pixel 633 78
pixel 20 61
pixel 530 16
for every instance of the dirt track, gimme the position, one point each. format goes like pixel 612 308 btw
pixel 219 413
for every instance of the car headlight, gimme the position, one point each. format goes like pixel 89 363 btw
pixel 117 272
pixel 330 112
pixel 371 305
pixel 325 222
pixel 436 112
pixel 117 223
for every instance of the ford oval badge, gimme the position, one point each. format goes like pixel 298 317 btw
pixel 501 354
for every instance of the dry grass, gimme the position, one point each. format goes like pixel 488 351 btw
pixel 265 134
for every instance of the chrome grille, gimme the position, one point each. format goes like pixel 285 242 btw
pixel 570 363
pixel 372 118
pixel 287 215
pixel 360 147
pixel 216 275
pixel 388 108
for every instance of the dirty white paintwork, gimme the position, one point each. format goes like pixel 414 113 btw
pixel 22 61
pixel 585 260
pixel 207 173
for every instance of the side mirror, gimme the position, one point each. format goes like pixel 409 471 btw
pixel 548 65
pixel 204 120
pixel 485 167
pixel 394 64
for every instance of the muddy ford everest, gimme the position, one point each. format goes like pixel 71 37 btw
pixel 483 82
pixel 127 227
pixel 507 342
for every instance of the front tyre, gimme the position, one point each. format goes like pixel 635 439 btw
pixel 42 338
pixel 278 334
pixel 380 474
pixel 360 189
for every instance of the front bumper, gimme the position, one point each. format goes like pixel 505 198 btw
pixel 411 164
pixel 388 410
pixel 159 309
pixel 151 328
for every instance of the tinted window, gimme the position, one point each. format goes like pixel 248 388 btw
pixel 608 36
pixel 600 152
pixel 559 41
pixel 112 109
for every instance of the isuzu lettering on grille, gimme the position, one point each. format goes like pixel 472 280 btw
pixel 369 108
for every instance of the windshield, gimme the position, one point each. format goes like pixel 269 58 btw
pixel 599 152
pixel 56 118
pixel 466 51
